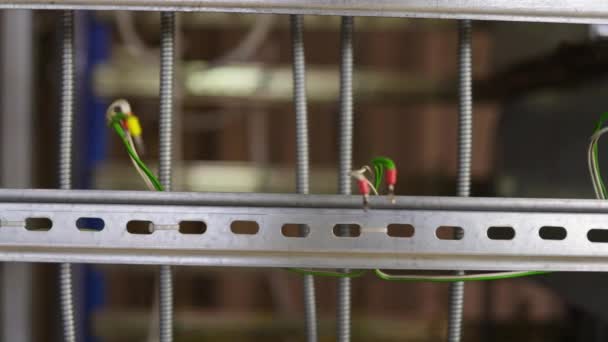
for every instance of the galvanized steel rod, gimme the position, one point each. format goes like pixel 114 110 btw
pixel 345 161
pixel 167 66
pixel 465 154
pixel 68 72
pixel 465 108
pixel 303 158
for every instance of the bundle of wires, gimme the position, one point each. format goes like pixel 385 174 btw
pixel 386 170
pixel 128 128
pixel 593 158
pixel 126 125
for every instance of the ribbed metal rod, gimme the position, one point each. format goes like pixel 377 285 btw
pixel 68 72
pixel 66 124
pixel 465 154
pixel 465 108
pixel 167 65
pixel 345 160
pixel 303 157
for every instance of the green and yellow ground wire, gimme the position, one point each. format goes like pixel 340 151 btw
pixel 126 125
pixel 133 155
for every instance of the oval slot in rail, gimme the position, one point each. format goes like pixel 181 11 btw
pixel 598 235
pixel 295 230
pixel 90 224
pixel 398 230
pixel 347 230
pixel 192 227
pixel 38 224
pixel 552 233
pixel 501 233
pixel 138 227
pixel 449 233
pixel 245 227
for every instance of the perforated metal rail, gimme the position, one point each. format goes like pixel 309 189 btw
pixel 228 231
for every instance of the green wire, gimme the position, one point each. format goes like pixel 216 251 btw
pixel 380 164
pixel 121 133
pixel 480 277
pixel 598 127
pixel 379 175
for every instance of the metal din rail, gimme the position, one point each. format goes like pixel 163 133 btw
pixel 499 234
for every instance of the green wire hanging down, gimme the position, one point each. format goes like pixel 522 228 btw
pixel 123 136
pixel 121 119
pixel 594 167
pixel 117 127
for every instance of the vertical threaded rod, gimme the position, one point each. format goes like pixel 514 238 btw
pixel 167 75
pixel 302 157
pixel 166 303
pixel 345 161
pixel 68 71
pixel 300 106
pixel 465 154
pixel 465 108
pixel 67 302
pixel 167 65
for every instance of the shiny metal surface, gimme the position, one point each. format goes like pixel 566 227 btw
pixel 575 11
pixel 219 246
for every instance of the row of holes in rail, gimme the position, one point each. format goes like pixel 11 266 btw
pixel 298 230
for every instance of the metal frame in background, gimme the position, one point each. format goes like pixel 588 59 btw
pixel 373 248
pixel 17 64
pixel 572 11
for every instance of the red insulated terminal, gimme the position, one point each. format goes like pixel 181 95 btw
pixel 391 176
pixel 363 187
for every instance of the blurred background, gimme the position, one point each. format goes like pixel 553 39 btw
pixel 539 90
